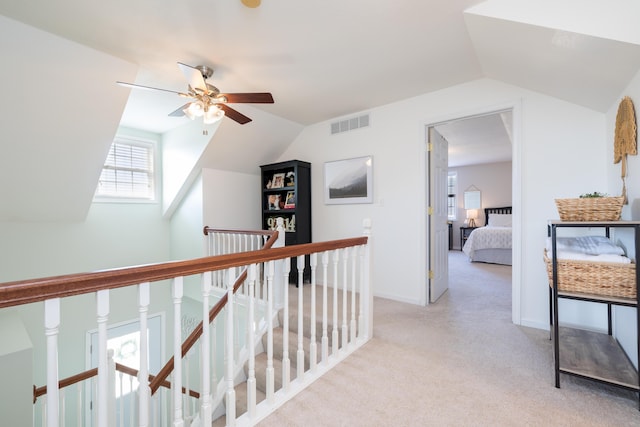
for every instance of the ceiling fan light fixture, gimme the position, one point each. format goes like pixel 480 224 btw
pixel 212 115
pixel 195 109
pixel 251 3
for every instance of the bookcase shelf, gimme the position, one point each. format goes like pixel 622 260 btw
pixel 286 194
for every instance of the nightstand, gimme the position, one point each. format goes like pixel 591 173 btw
pixel 464 235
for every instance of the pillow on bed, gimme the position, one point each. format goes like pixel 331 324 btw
pixel 499 220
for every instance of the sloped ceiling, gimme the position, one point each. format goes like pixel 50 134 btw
pixel 321 60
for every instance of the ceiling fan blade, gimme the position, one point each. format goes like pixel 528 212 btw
pixel 193 76
pixel 234 114
pixel 179 112
pixel 135 86
pixel 249 98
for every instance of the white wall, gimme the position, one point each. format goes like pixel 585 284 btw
pixel 494 182
pixel 625 320
pixel 555 141
pixel 231 199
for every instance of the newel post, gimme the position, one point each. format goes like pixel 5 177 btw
pixel 278 282
pixel 366 277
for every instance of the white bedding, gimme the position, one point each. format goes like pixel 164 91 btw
pixel 588 248
pixel 488 237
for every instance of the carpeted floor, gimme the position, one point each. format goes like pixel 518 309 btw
pixel 458 362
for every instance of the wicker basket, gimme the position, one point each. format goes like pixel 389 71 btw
pixel 590 208
pixel 600 278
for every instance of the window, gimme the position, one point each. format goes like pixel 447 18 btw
pixel 452 189
pixel 128 172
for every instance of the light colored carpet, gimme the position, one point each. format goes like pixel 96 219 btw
pixel 458 362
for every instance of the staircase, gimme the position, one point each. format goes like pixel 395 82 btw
pixel 292 338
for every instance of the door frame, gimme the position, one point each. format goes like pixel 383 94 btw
pixel 516 193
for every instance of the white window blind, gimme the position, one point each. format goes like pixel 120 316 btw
pixel 128 171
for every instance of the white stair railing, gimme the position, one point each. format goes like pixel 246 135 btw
pixel 269 270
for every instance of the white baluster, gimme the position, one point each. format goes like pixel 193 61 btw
pixel 187 387
pixel 361 293
pixel 354 253
pixel 231 393
pixel 51 325
pixel 144 391
pixel 112 387
pixel 121 400
pixel 345 288
pixel 270 372
pixel 63 412
pixel 214 352
pixel 313 347
pixel 103 376
pixel 251 378
pixel 367 295
pixel 325 319
pixel 94 403
pixel 286 363
pixel 132 402
pixel 300 354
pixel 176 384
pixel 334 337
pixel 44 411
pixel 80 404
pixel 205 345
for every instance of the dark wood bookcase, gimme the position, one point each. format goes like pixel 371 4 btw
pixel 286 193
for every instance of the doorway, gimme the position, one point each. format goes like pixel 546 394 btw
pixel 508 116
pixel 124 340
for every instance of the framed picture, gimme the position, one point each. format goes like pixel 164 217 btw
pixel 290 201
pixel 278 180
pixel 348 181
pixel 274 202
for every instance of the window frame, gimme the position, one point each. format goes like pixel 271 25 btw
pixel 452 200
pixel 153 157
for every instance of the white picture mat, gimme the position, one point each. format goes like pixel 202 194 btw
pixel 348 181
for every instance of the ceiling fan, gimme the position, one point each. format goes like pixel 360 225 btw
pixel 207 101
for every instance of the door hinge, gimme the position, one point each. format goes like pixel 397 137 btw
pixel 429 210
pixel 431 275
pixel 430 146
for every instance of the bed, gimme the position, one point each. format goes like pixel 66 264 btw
pixel 491 243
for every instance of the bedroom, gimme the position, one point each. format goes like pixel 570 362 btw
pixel 479 159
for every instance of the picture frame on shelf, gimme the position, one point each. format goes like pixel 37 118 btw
pixel 348 181
pixel 278 180
pixel 290 201
pixel 274 202
pixel 291 179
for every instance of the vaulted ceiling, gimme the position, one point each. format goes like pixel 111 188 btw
pixel 321 60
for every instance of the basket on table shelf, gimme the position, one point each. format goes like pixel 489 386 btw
pixel 609 279
pixel 590 208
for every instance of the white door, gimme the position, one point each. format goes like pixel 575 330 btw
pixel 438 239
pixel 124 340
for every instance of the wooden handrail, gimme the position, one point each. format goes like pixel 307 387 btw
pixel 159 380
pixel 195 334
pixel 36 290
pixel 215 310
pixel 41 391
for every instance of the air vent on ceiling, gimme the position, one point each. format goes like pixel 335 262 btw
pixel 349 124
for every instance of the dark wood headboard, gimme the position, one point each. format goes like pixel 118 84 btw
pixel 488 211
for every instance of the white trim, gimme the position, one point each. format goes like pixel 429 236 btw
pixel 136 140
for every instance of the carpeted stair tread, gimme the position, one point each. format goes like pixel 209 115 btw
pixel 241 403
pixel 261 372
pixel 293 347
